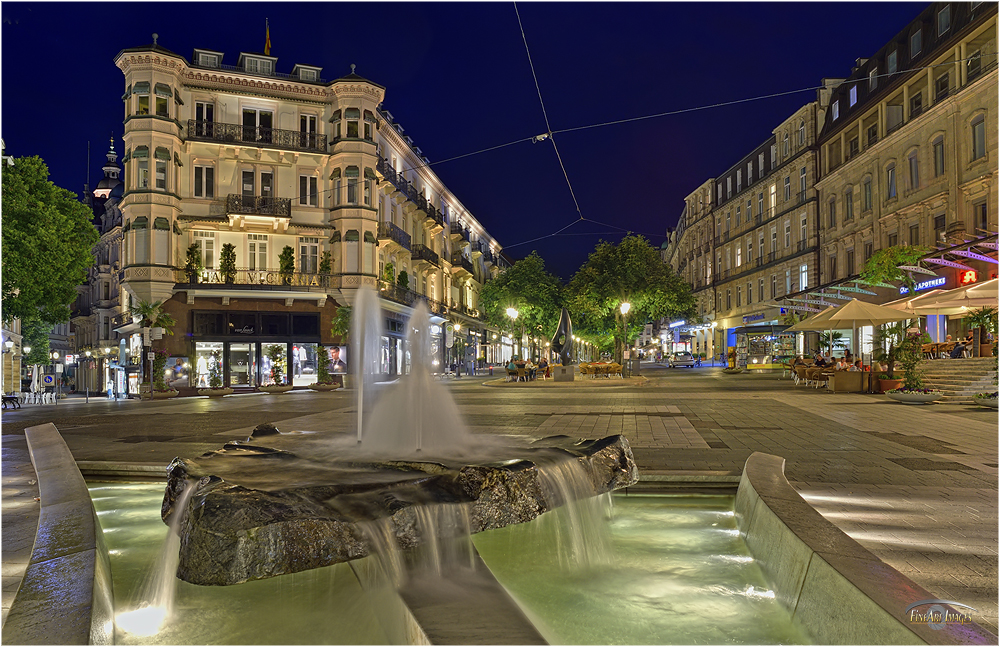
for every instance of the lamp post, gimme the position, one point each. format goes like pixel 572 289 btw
pixel 624 308
pixel 89 374
pixel 512 313
pixel 107 361
pixel 55 373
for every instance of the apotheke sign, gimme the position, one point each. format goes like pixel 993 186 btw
pixel 925 285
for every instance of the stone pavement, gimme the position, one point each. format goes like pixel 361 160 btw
pixel 916 485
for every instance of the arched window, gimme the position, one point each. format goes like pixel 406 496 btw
pixel 937 147
pixel 890 181
pixel 978 137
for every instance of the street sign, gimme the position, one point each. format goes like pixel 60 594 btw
pixel 48 380
pixel 151 355
pixel 71 359
pixel 59 368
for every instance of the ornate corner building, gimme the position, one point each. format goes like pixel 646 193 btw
pixel 902 151
pixel 314 188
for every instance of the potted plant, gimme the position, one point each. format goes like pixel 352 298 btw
pixel 215 388
pixel 404 280
pixel 193 264
pixel 325 267
pixel 887 348
pixel 325 381
pixel 389 273
pixel 985 321
pixel 276 353
pixel 227 263
pixel 909 357
pixel 160 389
pixel 286 264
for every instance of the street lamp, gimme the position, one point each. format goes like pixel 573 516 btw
pixel 512 313
pixel 625 307
pixel 107 368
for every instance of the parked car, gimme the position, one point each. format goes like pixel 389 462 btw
pixel 681 358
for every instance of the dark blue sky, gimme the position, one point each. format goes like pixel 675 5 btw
pixel 457 78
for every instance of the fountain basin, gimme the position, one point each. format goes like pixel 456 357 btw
pixel 288 503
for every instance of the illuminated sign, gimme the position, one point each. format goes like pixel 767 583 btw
pixel 756 317
pixel 968 276
pixel 925 285
pixel 676 323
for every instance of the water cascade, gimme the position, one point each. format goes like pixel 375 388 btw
pixel 155 602
pixel 366 347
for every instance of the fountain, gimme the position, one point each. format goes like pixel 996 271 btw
pixel 290 502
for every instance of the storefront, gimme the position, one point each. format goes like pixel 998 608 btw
pixel 764 347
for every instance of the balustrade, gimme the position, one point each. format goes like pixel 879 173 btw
pixel 256 205
pixel 390 231
pixel 260 136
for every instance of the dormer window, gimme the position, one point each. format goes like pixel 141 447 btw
pixel 207 58
pixel 257 64
pixel 306 73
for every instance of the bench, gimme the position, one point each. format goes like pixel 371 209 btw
pixel 12 400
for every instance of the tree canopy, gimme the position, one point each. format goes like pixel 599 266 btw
pixel 528 287
pixel 883 266
pixel 630 271
pixel 47 241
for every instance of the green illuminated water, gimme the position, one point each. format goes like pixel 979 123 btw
pixel 677 572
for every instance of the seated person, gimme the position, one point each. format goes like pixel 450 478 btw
pixel 799 361
pixel 883 367
pixel 856 366
pixel 512 366
pixel 841 365
pixel 848 357
pixel 821 361
pixel 944 354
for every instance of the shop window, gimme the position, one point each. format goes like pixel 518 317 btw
pixel 274 324
pixel 243 364
pixel 209 323
pixel 304 364
pixel 242 323
pixel 208 361
pixel 305 325
pixel 273 363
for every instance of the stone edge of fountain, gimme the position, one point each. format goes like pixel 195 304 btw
pixel 69 564
pixel 835 589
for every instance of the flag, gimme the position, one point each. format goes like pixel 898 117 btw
pixel 267 38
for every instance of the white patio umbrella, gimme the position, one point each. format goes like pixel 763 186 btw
pixel 972 296
pixel 861 313
pixel 924 304
pixel 815 322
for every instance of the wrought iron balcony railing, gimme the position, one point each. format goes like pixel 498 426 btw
pixel 257 205
pixel 390 231
pixel 459 259
pixel 394 292
pixel 424 253
pixel 256 136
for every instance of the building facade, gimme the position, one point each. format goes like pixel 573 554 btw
pixel 294 192
pixel 909 146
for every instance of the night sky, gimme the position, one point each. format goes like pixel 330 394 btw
pixel 458 80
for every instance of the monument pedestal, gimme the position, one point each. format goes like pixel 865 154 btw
pixel 563 373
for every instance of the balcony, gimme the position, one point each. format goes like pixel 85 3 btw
pixel 433 215
pixel 258 136
pixel 393 233
pixel 394 292
pixel 424 254
pixel 256 205
pixel 460 262
pixel 251 279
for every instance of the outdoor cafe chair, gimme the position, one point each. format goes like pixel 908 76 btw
pixel 522 374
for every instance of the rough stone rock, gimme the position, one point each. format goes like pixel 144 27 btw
pixel 259 511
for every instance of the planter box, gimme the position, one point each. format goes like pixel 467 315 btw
pixel 275 388
pixel 888 385
pixel 163 395
pixel 216 393
pixel 914 398
pixel 986 402
pixel 324 387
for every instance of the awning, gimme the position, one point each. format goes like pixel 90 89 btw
pixel 141 87
pixel 141 152
pixel 163 90
pixel 162 154
pixel 370 174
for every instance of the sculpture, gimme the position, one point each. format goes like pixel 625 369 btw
pixel 562 340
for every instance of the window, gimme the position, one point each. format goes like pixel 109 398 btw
pixel 738 218
pixel 204 182
pixel 788 234
pixel 788 281
pixel 784 145
pixel 774 154
pixel 729 187
pixel 914 234
pixel 914 166
pixel 869 250
pixel 729 299
pixel 890 181
pixel 257 251
pixel 803 276
pixel 760 246
pixel 351 172
pixel 974 65
pixel 849 204
pixel 978 137
pixel 739 256
pixel 866 195
pixel 939 227
pixel 307 131
pixel 257 125
pixel 890 62
pixel 872 134
pixel 804 230
pixel 944 20
pixel 161 174
pixel 833 267
pixel 760 290
pixel 749 249
pixel 257 66
pixel 749 208
pixel 749 172
pixel 836 110
pixel 749 292
pixel 941 87
pixel 852 95
pixel 308 190
pixel 248 186
pixel 352 115
pixel 982 217
pixel 739 292
pixel 266 184
pixel 368 192
pixel 832 222
pixel 893 239
pixel 916 105
pixel 141 91
pixel 760 203
pixel 205 240
pixel 916 43
pixel 142 174
pixel 872 79
pixel 204 115
pixel 852 148
pixel 308 254
pixel 760 164
pixel 739 181
pixel 774 286
pixel 719 191
pixel 307 75
pixel 849 266
pixel 802 183
pixel 802 132
pixel 774 241
pixel 208 60
pixel 788 187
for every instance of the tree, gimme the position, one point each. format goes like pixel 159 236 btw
pixel 152 315
pixel 227 262
pixel 286 264
pixel 192 263
pixel 404 280
pixel 883 266
pixel 630 271
pixel 47 241
pixel 537 296
pixel 341 325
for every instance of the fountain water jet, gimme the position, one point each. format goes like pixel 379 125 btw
pixel 366 345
